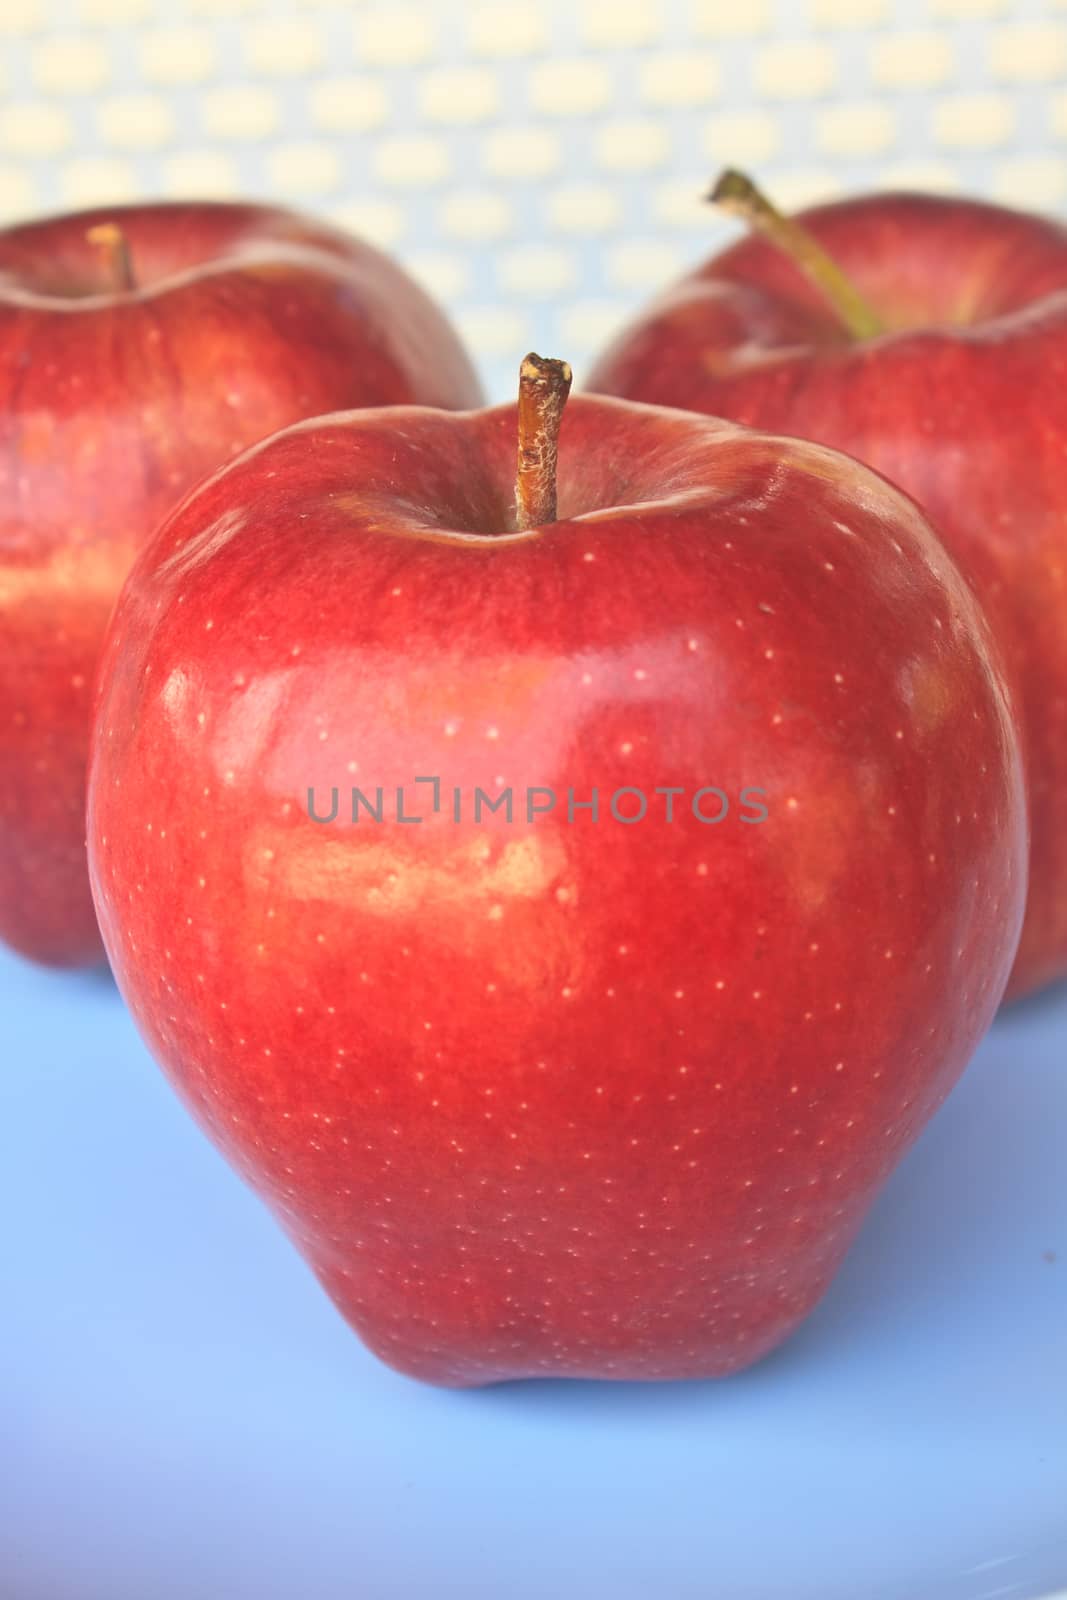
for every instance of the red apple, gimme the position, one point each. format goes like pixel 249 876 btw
pixel 929 338
pixel 551 1093
pixel 139 349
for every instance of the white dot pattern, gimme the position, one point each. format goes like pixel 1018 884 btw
pixel 539 166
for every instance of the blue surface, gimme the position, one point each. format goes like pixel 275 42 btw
pixel 184 1414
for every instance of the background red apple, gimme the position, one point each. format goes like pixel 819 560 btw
pixel 576 1097
pixel 115 397
pixel 955 387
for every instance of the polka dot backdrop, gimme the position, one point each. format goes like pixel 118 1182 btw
pixel 539 166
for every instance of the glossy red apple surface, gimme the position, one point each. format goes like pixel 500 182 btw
pixel 113 401
pixel 557 1094
pixel 962 400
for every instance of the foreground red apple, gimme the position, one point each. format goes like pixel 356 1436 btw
pixel 929 338
pixel 547 1092
pixel 139 349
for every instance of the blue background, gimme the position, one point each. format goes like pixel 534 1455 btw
pixel 185 1415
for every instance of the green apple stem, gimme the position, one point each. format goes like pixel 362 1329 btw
pixel 737 194
pixel 114 246
pixel 544 385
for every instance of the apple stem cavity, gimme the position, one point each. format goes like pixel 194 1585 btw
pixel 544 385
pixel 114 247
pixel 738 195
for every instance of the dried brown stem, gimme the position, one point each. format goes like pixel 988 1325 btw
pixel 544 385
pixel 114 246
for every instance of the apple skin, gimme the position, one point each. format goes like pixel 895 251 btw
pixel 575 1099
pixel 962 402
pixel 112 405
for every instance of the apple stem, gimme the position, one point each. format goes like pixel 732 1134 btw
pixel 544 385
pixel 114 246
pixel 737 194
